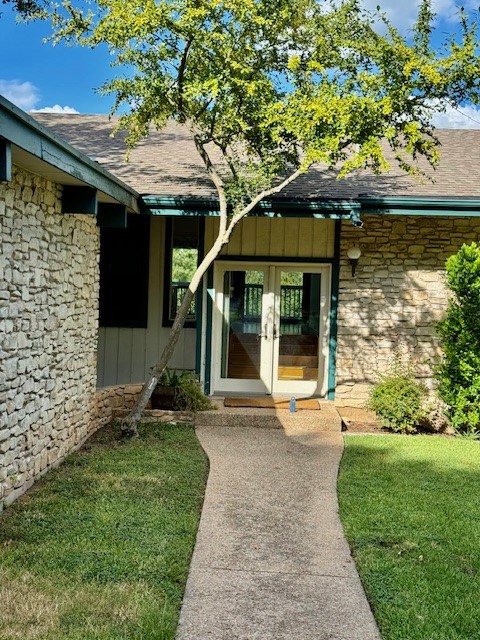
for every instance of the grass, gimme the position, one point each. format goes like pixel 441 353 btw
pixel 410 507
pixel 100 548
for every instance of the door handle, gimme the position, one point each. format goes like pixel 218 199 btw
pixel 263 335
pixel 275 334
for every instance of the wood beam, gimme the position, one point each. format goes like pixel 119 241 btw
pixel 79 200
pixel 5 161
pixel 113 216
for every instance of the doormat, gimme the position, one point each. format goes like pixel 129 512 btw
pixel 267 402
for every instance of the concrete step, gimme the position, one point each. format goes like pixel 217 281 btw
pixel 326 419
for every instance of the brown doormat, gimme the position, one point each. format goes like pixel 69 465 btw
pixel 267 402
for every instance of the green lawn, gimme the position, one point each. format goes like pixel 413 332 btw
pixel 100 549
pixel 410 507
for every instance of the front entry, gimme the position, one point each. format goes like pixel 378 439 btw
pixel 270 331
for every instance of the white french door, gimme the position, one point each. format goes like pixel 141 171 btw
pixel 271 327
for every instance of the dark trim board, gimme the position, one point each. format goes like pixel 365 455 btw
pixel 335 286
pixel 274 259
pixel 199 300
pixel 278 208
pixel 5 161
pixel 411 206
pixel 208 332
pixel 328 208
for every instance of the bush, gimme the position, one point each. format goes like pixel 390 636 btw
pixel 186 392
pixel 190 396
pixel 398 400
pixel 459 373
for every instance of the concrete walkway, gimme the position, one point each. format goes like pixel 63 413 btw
pixel 271 561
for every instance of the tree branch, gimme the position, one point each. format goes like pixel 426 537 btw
pixel 215 177
pixel 202 109
pixel 258 198
pixel 181 76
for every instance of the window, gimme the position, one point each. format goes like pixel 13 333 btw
pixel 181 253
pixel 124 261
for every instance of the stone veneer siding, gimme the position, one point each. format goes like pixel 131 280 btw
pixel 115 402
pixel 396 298
pixel 48 330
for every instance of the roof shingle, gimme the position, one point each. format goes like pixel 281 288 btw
pixel 167 164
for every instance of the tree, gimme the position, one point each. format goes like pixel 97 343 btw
pixel 26 8
pixel 459 373
pixel 184 264
pixel 269 87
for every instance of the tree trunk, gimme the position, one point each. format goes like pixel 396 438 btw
pixel 129 424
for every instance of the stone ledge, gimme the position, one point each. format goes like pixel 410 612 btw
pixel 327 419
pixel 157 415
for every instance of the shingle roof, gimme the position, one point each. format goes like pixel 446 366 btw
pixel 166 164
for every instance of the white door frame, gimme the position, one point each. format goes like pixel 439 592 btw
pixel 269 382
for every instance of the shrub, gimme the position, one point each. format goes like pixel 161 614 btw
pixel 187 394
pixel 190 396
pixel 459 373
pixel 398 400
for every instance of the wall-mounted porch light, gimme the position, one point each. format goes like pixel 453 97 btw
pixel 354 254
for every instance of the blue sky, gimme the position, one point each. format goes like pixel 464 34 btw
pixel 34 75
pixel 39 76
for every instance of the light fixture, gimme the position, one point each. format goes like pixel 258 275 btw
pixel 354 254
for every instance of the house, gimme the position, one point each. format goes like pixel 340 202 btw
pixel 281 311
pixel 310 297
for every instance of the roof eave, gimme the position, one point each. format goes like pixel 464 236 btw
pixel 278 207
pixel 327 208
pixel 23 131
pixel 421 206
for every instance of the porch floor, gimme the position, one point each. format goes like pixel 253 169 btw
pixel 327 419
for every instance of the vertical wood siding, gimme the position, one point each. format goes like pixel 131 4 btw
pixel 277 237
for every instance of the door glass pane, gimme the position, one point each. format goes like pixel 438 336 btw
pixel 242 320
pixel 299 325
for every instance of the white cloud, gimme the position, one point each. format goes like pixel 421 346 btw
pixel 24 94
pixel 55 109
pixel 466 117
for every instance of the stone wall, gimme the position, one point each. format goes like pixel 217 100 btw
pixel 114 403
pixel 396 297
pixel 48 330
